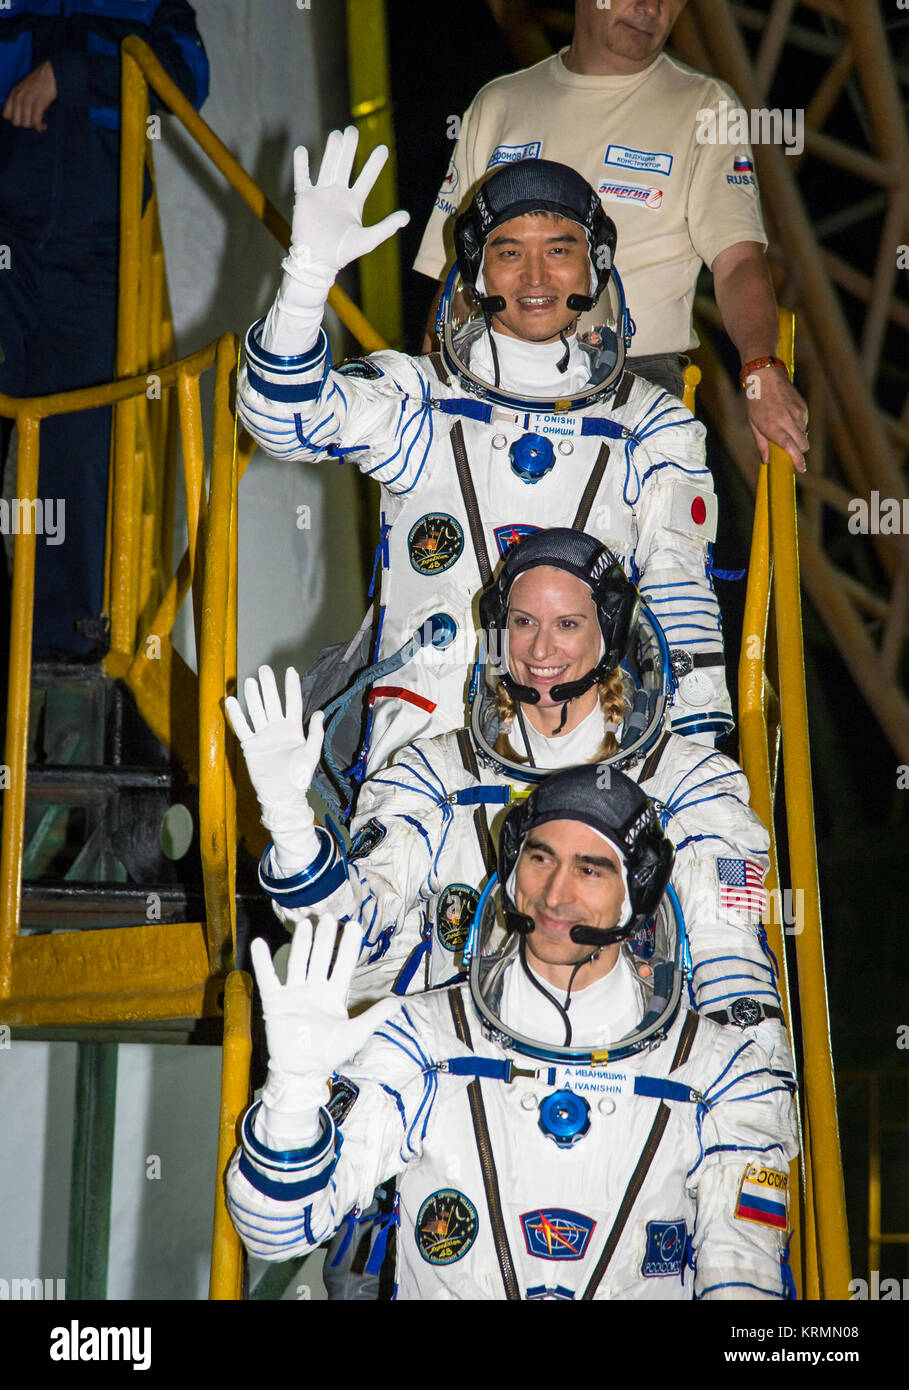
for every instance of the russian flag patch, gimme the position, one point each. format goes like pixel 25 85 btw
pixel 764 1197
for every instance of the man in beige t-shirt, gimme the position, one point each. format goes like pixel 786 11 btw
pixel 627 116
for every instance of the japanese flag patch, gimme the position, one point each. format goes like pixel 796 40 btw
pixel 693 512
pixel 764 1197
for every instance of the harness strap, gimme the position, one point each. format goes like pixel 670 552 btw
pixel 487 1163
pixel 648 1153
pixel 480 825
pixel 653 759
pixel 624 391
pixel 438 366
pixel 590 491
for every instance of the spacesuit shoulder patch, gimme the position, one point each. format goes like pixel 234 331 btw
pixel 343 1095
pixel 693 512
pixel 665 1249
pixel 360 366
pixel 456 907
pixel 764 1197
pixel 366 839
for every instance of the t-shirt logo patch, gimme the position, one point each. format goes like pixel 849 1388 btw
pixel 450 181
pixel 554 1233
pixel 457 904
pixel 510 154
pixel 435 543
pixel 507 536
pixel 637 193
pixel 446 1227
pixel 665 1249
pixel 742 171
pixel 648 161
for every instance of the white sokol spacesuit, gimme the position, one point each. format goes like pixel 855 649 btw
pixel 643 1155
pixel 486 442
pixel 424 832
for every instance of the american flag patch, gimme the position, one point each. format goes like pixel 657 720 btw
pixel 763 1197
pixel 741 885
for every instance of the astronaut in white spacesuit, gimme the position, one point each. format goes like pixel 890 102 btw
pixel 516 424
pixel 557 624
pixel 559 1126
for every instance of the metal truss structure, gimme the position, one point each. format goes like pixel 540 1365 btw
pixel 837 215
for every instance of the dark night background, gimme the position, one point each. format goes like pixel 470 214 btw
pixel 441 55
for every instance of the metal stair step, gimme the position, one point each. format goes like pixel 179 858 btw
pixel 88 785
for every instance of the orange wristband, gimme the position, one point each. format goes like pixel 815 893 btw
pixel 757 364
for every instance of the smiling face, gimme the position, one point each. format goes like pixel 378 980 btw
pixel 553 637
pixel 621 38
pixel 535 262
pixel 568 875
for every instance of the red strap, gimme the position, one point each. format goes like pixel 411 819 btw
pixel 397 692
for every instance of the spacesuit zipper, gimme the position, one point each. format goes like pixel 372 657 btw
pixel 471 506
pixel 487 1162
pixel 636 1182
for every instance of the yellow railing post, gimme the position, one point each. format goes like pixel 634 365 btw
pixel 217 673
pixel 18 698
pixel 126 491
pixel 757 751
pixel 829 1200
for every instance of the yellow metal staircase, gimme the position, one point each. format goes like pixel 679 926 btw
pixel 185 970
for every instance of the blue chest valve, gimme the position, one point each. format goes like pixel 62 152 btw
pixel 532 456
pixel 442 630
pixel 564 1118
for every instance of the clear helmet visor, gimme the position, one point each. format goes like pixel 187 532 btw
pixel 656 956
pixel 464 338
pixel 648 688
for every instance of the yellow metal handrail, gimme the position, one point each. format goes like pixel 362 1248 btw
pixel 147 971
pixel 824 1246
pixel 138 55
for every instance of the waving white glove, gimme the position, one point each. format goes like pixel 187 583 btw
pixel 327 234
pixel 307 1026
pixel 281 762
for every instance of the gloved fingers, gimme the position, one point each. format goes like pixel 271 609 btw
pixel 293 698
pixel 237 719
pixel 264 970
pixel 368 238
pixel 333 157
pixel 368 174
pixel 298 957
pixel 322 947
pixel 271 700
pixel 365 1024
pixel 305 759
pixel 346 156
pixel 301 169
pixel 254 705
pixel 348 955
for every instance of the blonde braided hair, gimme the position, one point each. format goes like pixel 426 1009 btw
pixel 613 707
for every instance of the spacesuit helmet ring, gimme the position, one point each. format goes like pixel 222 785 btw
pixel 465 308
pixel 534 185
pixel 616 601
pixel 650 927
pixel 619 811
pixel 642 657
